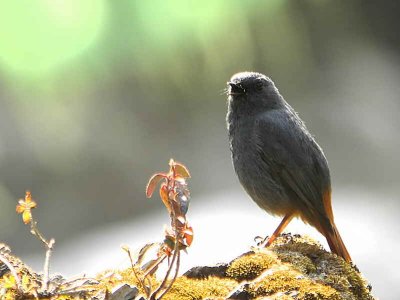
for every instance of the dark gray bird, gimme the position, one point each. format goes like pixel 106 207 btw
pixel 278 162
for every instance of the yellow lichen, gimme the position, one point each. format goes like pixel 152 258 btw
pixel 308 256
pixel 344 277
pixel 292 268
pixel 300 262
pixel 289 281
pixel 108 280
pixel 298 244
pixel 250 265
pixel 196 289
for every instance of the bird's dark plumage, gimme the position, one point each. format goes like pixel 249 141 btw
pixel 276 159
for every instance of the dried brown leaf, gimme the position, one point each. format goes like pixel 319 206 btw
pixel 143 252
pixel 164 197
pixel 181 170
pixel 153 181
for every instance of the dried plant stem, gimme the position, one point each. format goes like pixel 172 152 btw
pixel 76 290
pixel 155 265
pixel 35 231
pixel 87 279
pixel 174 257
pixel 134 272
pixel 133 265
pixel 175 196
pixel 149 271
pixel 46 267
pixel 175 276
pixel 12 270
pixel 49 248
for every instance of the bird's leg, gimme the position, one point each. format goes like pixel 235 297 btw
pixel 285 221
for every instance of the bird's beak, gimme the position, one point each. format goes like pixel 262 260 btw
pixel 236 89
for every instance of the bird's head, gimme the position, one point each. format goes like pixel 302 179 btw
pixel 252 90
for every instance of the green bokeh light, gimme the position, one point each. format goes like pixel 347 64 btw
pixel 169 22
pixel 164 23
pixel 38 36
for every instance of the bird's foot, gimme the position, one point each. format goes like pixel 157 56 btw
pixel 262 242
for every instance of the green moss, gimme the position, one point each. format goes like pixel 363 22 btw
pixel 344 277
pixel 196 289
pixel 281 282
pixel 308 257
pixel 250 265
pixel 110 279
pixel 300 262
pixel 298 244
pixel 293 267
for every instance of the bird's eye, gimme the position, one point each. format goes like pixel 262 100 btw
pixel 259 86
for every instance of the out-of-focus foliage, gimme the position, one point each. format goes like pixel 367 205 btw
pixel 37 37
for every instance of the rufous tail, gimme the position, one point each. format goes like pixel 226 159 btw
pixel 336 244
pixel 330 231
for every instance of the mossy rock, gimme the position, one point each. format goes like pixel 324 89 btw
pixel 294 267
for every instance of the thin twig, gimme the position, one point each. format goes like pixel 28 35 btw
pixel 46 267
pixel 134 272
pixel 149 271
pixel 84 286
pixel 35 231
pixel 155 265
pixel 132 264
pixel 71 281
pixel 49 248
pixel 176 250
pixel 72 291
pixel 162 285
pixel 173 279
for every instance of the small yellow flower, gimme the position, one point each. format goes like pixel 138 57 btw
pixel 24 207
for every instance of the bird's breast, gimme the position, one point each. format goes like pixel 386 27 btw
pixel 252 172
pixel 245 156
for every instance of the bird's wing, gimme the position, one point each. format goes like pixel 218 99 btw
pixel 295 161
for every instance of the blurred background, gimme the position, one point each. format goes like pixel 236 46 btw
pixel 95 96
